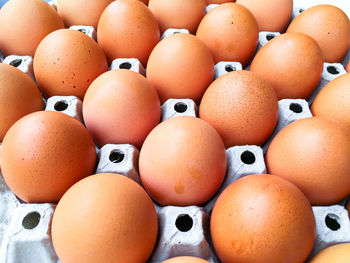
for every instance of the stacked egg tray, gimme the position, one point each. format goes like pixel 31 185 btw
pixel 25 228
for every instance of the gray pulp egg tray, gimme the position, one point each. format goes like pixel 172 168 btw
pixel 183 231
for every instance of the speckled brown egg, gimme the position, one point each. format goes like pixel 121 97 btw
pixel 271 15
pixel 314 154
pixel 339 253
pixel 121 106
pixel 45 153
pixel 262 218
pixel 242 107
pixel 133 34
pixel 329 26
pixel 19 96
pixel 105 218
pixel 24 23
pixel 231 33
pixel 185 260
pixel 182 162
pixel 333 100
pixel 178 14
pixel 180 66
pixel 292 63
pixel 67 62
pixel 81 12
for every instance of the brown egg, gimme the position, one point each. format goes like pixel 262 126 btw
pixel 185 260
pixel 180 66
pixel 329 26
pixel 24 23
pixel 262 218
pixel 209 2
pixel 105 218
pixel 335 254
pixel 178 14
pixel 19 96
pixel 182 162
pixel 45 153
pixel 231 33
pixel 314 154
pixel 242 107
pixel 133 34
pixel 292 63
pixel 333 100
pixel 67 62
pixel 121 106
pixel 81 12
pixel 271 15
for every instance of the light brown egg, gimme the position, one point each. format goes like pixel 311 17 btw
pixel 133 34
pixel 185 260
pixel 67 62
pixel 180 66
pixel 271 15
pixel 45 153
pixel 81 12
pixel 105 218
pixel 292 63
pixel 262 218
pixel 333 100
pixel 178 13
pixel 182 162
pixel 209 2
pixel 329 26
pixel 24 23
pixel 335 254
pixel 314 154
pixel 121 106
pixel 242 107
pixel 19 96
pixel 231 33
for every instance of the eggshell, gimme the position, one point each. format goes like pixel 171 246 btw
pixel 24 23
pixel 128 29
pixel 314 154
pixel 180 66
pixel 333 100
pixel 185 260
pixel 263 10
pixel 209 2
pixel 121 106
pixel 231 33
pixel 262 218
pixel 178 13
pixel 81 12
pixel 45 153
pixel 292 63
pixel 182 162
pixel 242 107
pixel 329 26
pixel 19 96
pixel 336 254
pixel 105 218
pixel 67 62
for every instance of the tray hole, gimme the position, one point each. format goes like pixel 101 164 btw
pixel 301 10
pixel 270 36
pixel 248 157
pixel 31 220
pixel 82 30
pixel 180 107
pixel 332 222
pixel 230 68
pixel 184 223
pixel 61 105
pixel 16 63
pixel 116 156
pixel 125 65
pixel 296 107
pixel 333 70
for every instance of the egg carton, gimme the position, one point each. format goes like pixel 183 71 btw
pixel 87 30
pixel 70 105
pixel 2 56
pixel 210 7
pixel 53 3
pixel 23 63
pixel 172 31
pixel 178 107
pixel 224 67
pixel 128 63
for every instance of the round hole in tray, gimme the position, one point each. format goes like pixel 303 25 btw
pixel 301 10
pixel 184 222
pixel 82 30
pixel 180 107
pixel 125 65
pixel 230 68
pixel 296 107
pixel 116 156
pixel 270 36
pixel 31 220
pixel 61 105
pixel 248 157
pixel 16 63
pixel 333 70
pixel 332 222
